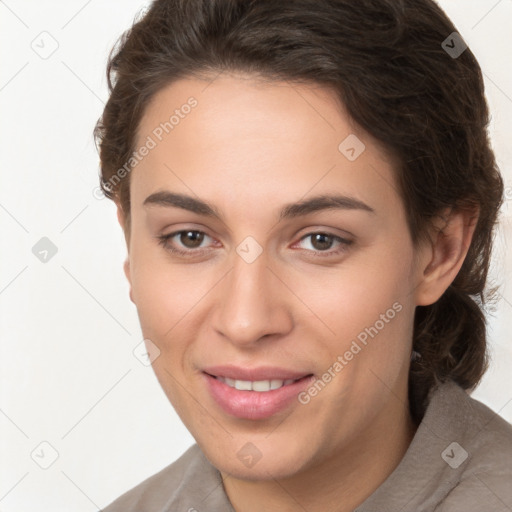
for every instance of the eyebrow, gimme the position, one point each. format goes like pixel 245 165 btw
pixel 289 211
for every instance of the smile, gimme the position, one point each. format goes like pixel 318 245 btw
pixel 256 385
pixel 255 399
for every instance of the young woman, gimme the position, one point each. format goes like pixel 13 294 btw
pixel 308 196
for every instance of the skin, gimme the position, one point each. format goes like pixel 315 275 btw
pixel 249 148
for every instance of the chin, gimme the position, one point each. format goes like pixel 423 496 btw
pixel 258 460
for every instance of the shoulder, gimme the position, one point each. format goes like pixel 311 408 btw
pixel 460 459
pixel 484 453
pixel 172 486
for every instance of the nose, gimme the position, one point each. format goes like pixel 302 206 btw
pixel 252 302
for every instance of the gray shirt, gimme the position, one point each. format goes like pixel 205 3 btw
pixel 460 460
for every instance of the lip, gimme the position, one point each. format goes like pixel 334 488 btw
pixel 259 373
pixel 256 405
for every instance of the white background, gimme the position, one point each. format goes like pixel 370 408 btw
pixel 67 327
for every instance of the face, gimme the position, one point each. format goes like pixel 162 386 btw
pixel 246 274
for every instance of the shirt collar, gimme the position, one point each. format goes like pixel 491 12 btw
pixel 434 462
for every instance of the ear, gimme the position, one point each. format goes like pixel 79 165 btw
pixel 441 259
pixel 126 265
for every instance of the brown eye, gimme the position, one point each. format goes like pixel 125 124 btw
pixel 321 244
pixel 191 239
pixel 186 242
pixel 321 241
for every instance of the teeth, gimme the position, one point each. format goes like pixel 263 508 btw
pixel 243 385
pixel 256 385
pixel 261 385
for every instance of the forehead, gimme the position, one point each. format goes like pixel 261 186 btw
pixel 253 106
pixel 237 135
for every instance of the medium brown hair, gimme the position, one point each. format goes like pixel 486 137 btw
pixel 386 63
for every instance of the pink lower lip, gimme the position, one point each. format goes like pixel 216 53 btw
pixel 254 405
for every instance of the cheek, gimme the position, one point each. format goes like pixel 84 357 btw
pixel 367 306
pixel 357 293
pixel 164 294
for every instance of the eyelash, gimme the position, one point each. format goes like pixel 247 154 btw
pixel 163 240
